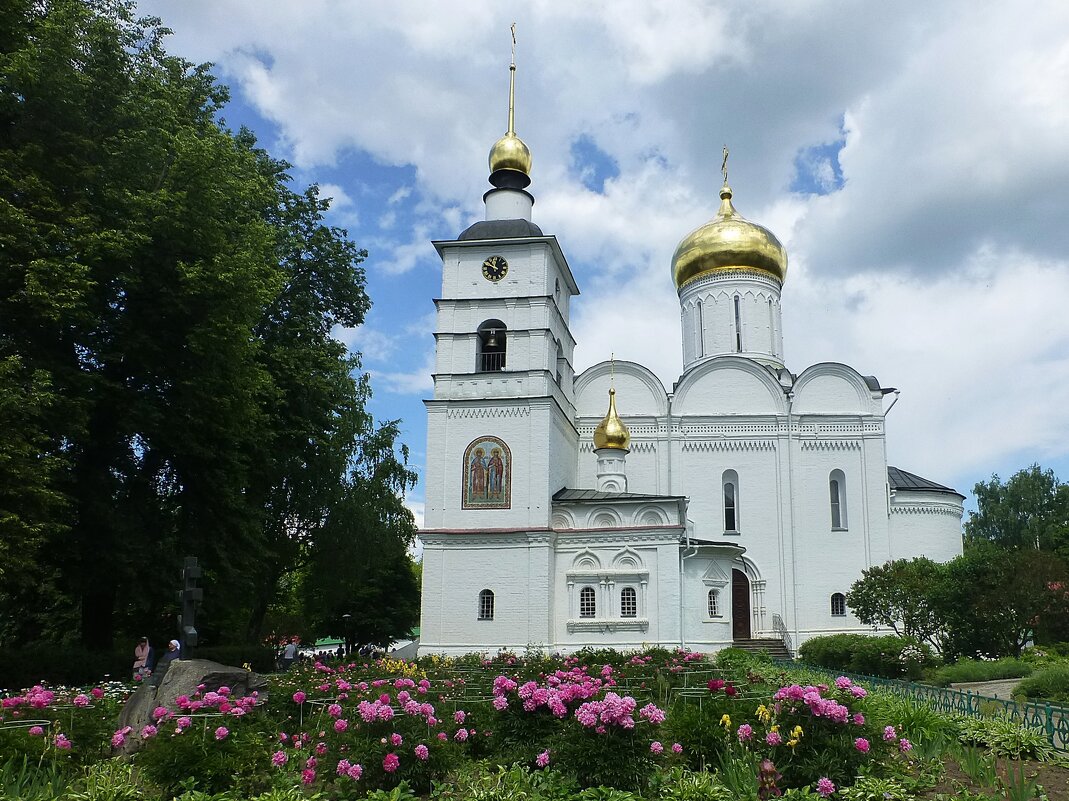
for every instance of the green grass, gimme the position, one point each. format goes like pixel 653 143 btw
pixel 1050 683
pixel 975 670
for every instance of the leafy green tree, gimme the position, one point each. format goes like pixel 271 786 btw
pixel 166 303
pixel 358 566
pixel 1030 510
pixel 994 600
pixel 898 595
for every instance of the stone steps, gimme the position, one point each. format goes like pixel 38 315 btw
pixel 773 647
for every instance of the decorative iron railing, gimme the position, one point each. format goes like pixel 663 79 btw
pixel 1048 718
pixel 780 631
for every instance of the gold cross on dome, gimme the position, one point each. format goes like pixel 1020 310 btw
pixel 724 166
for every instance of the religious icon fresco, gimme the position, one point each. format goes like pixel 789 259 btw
pixel 487 475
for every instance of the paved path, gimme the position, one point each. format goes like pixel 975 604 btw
pixel 1003 688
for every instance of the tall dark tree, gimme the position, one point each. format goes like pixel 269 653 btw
pixel 1029 510
pixel 166 364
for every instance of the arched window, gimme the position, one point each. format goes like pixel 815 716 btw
pixel 837 490
pixel 628 602
pixel 491 347
pixel 730 482
pixel 738 324
pixel 714 603
pixel 486 605
pixel 838 605
pixel 560 362
pixel 587 604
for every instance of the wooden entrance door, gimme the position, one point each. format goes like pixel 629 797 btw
pixel 740 606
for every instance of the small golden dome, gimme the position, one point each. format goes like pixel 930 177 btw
pixel 510 153
pixel 728 242
pixel 611 432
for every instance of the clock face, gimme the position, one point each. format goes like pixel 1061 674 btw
pixel 495 268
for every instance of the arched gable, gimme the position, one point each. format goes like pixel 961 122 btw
pixel 638 391
pixel 728 385
pixel 834 388
pixel 586 561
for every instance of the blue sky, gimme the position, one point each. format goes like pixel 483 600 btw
pixel 913 160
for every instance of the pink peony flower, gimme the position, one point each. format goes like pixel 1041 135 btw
pixel 161 712
pixel 745 732
pixel 308 775
pixel 97 693
pixel 298 697
pixel 461 735
pixel 825 787
pixel 81 700
pixel 773 738
pixel 677 748
pixel 36 731
pixel 858 692
pixel 905 746
pixel 656 748
pixel 459 716
pixel 843 683
pixel 542 759
pixel 355 772
pixel 184 722
pixel 859 719
pixel 343 767
pixel 148 732
pixel 221 733
pixel 340 725
pixel 62 743
pixel 422 753
pixel 862 745
pixel 334 710
pixel 279 758
pixel 889 734
pixel 443 736
pixel 320 749
pixel 395 739
pixel 500 702
pixel 391 762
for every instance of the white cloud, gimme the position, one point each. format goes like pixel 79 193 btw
pixel 938 265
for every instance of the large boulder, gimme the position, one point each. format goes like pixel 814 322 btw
pixel 184 677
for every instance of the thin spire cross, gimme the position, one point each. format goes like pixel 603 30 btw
pixel 512 84
pixel 724 166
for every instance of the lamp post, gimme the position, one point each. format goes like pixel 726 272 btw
pixel 347 620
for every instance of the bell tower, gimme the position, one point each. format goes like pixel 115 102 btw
pixel 501 436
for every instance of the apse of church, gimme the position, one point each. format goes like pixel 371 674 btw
pixel 600 509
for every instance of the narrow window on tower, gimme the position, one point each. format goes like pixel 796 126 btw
pixel 628 602
pixel 486 605
pixel 587 604
pixel 738 325
pixel 837 492
pixel 701 329
pixel 838 605
pixel 771 328
pixel 730 483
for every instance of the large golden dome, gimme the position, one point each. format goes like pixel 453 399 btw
pixel 510 153
pixel 611 432
pixel 728 242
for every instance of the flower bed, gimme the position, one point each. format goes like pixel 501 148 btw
pixel 653 725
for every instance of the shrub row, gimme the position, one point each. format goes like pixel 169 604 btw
pixel 977 670
pixel 1050 683
pixel 890 657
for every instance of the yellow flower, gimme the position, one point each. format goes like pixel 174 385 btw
pixel 796 732
pixel 792 743
pixel 725 721
pixel 764 714
pixel 774 727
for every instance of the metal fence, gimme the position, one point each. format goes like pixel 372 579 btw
pixel 1053 720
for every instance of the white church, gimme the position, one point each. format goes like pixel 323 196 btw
pixel 603 509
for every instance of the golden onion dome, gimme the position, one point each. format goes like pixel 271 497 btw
pixel 611 432
pixel 510 153
pixel 728 242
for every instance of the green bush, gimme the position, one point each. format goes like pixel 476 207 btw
pixel 965 670
pixel 1050 683
pixel 890 656
pixel 56 663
